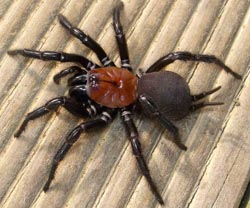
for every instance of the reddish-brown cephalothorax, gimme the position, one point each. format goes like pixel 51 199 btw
pixel 112 87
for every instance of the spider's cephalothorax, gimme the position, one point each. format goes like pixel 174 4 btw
pixel 101 92
pixel 112 87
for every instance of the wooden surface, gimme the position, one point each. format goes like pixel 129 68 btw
pixel 100 170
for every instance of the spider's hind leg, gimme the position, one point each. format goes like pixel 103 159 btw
pixel 136 147
pixel 151 108
pixel 187 56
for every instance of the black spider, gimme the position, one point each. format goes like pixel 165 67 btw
pixel 104 91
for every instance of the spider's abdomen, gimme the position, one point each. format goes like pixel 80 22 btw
pixel 168 91
pixel 112 87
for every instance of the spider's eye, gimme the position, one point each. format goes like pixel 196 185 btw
pixel 93 80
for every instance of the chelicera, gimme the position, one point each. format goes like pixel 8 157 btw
pixel 103 91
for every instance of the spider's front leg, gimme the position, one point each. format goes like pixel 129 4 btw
pixel 73 136
pixel 86 40
pixel 136 147
pixel 52 105
pixel 120 38
pixel 55 56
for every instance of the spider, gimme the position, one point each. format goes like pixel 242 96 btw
pixel 103 91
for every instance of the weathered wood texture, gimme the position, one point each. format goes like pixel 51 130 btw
pixel 100 170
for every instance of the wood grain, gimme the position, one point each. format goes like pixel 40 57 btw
pixel 100 170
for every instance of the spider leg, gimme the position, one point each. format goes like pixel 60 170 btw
pixel 52 105
pixel 67 71
pixel 150 107
pixel 195 107
pixel 55 56
pixel 204 94
pixel 77 80
pixel 86 40
pixel 136 147
pixel 120 38
pixel 73 136
pixel 187 56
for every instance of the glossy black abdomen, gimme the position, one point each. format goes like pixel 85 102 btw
pixel 168 91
